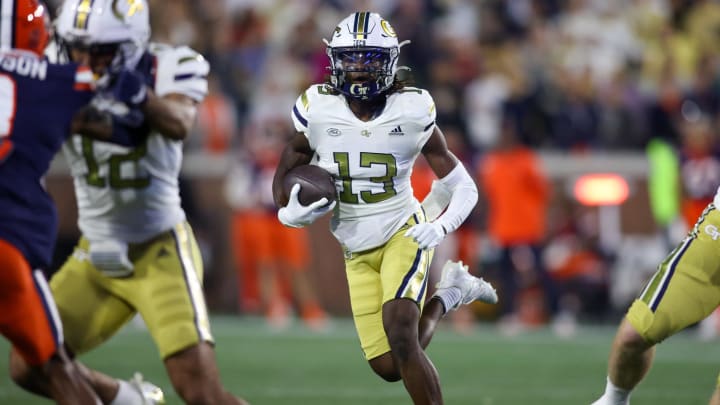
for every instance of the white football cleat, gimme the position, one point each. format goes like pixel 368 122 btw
pixel 455 274
pixel 151 393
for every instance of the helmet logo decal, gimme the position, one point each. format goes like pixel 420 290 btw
pixel 358 89
pixel 134 6
pixel 387 28
pixel 83 14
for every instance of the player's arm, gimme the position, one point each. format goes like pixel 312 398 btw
pixel 101 125
pixel 292 213
pixel 454 185
pixel 297 152
pixel 173 115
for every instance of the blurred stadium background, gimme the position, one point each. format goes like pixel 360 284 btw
pixel 623 89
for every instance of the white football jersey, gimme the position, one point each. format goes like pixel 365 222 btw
pixel 717 199
pixel 132 194
pixel 371 161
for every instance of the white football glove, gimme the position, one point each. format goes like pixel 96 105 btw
pixel 428 235
pixel 296 215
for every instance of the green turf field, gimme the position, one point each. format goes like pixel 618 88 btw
pixel 297 366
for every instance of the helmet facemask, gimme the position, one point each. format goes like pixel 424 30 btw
pixel 363 52
pixel 362 72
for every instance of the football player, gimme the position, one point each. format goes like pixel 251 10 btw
pixel 366 128
pixel 137 253
pixel 683 291
pixel 40 104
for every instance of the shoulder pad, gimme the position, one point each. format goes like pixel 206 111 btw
pixel 180 70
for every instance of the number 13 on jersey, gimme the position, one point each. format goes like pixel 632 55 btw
pixel 367 160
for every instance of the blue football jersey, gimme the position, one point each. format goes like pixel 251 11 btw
pixel 37 102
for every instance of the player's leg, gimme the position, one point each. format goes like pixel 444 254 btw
pixel 421 380
pixel 404 275
pixel 456 287
pixel 30 321
pixel 91 314
pixel 683 291
pixel 194 374
pixel 365 288
pixel 631 357
pixel 388 324
pixel 169 270
pixel 715 399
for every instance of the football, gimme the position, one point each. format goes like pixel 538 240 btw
pixel 315 183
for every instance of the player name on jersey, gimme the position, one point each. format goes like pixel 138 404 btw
pixel 24 65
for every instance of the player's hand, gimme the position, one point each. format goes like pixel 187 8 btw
pixel 132 118
pixel 129 87
pixel 296 215
pixel 428 235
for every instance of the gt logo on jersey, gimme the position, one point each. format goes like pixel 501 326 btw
pixel 712 231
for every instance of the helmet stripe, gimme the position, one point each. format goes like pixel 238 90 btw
pixel 82 14
pixel 7 25
pixel 361 25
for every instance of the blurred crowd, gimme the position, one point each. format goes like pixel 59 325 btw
pixel 573 74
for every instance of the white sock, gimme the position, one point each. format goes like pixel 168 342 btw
pixel 127 395
pixel 449 297
pixel 615 395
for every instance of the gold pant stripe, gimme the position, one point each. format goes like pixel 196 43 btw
pixel 194 285
pixel 653 293
pixel 410 282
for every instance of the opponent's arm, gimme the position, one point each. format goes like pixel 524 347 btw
pixel 455 181
pixel 173 115
pixel 102 125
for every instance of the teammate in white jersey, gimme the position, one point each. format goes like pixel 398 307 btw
pixel 684 291
pixel 366 129
pixel 137 253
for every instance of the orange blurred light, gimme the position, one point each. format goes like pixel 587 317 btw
pixel 601 189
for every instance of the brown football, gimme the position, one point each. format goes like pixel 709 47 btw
pixel 315 183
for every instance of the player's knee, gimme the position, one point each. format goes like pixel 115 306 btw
pixel 629 338
pixel 198 394
pixel 384 367
pixel 389 376
pixel 402 343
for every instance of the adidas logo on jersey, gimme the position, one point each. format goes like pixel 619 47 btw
pixel 397 131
